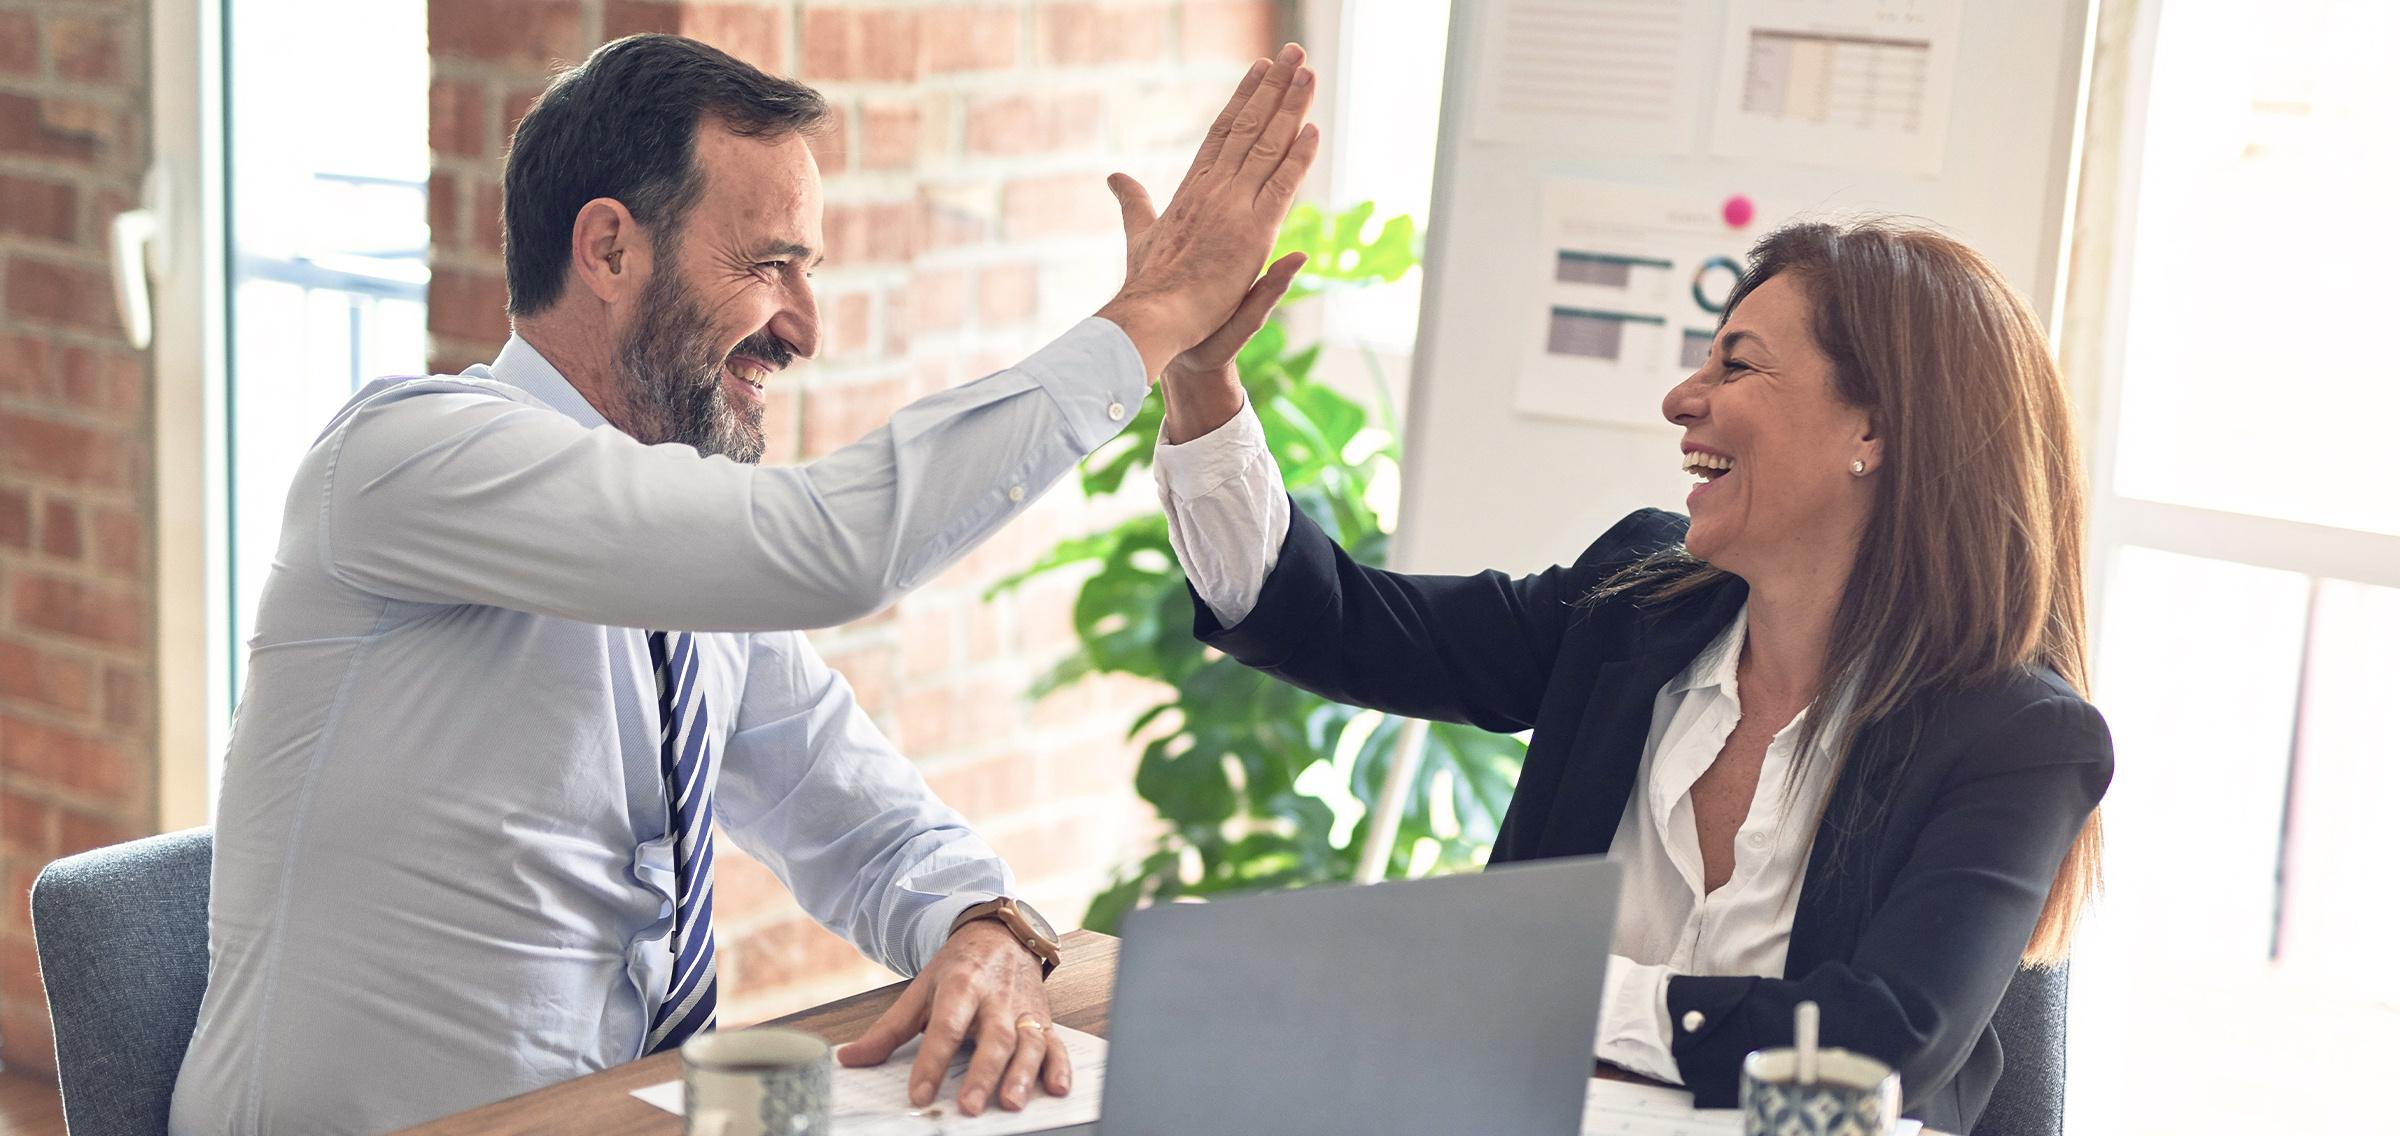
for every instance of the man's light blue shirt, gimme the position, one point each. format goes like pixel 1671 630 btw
pixel 442 876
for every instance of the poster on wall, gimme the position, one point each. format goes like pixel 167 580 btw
pixel 1859 84
pixel 1624 75
pixel 1630 284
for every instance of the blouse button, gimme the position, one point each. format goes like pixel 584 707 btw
pixel 1116 412
pixel 1693 1020
pixel 1758 840
pixel 1016 492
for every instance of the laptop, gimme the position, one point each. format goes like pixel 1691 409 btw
pixel 1439 1006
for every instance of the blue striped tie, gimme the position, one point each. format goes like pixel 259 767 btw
pixel 684 759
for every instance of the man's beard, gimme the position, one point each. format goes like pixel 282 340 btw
pixel 671 384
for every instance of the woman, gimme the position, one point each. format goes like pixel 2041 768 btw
pixel 1832 724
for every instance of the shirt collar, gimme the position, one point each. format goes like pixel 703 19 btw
pixel 521 365
pixel 1715 665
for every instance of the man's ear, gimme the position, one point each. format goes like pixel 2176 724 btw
pixel 610 253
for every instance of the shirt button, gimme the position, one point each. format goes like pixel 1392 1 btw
pixel 1758 840
pixel 1116 412
pixel 1693 1020
pixel 1016 492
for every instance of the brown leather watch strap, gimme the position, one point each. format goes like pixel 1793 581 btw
pixel 1024 923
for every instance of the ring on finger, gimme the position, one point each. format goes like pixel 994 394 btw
pixel 1033 1023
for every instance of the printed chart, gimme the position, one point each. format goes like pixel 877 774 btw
pixel 1863 84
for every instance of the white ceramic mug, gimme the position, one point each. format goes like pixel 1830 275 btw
pixel 757 1082
pixel 1853 1095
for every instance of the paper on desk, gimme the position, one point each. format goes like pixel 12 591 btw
pixel 878 1092
pixel 1618 1108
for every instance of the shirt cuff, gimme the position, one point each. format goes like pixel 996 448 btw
pixel 1095 377
pixel 1633 1033
pixel 1227 514
pixel 933 923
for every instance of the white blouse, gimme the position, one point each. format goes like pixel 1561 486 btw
pixel 1227 516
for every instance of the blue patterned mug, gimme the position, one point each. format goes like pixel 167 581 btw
pixel 1853 1095
pixel 757 1082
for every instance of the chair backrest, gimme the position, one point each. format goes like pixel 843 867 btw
pixel 123 935
pixel 2030 1097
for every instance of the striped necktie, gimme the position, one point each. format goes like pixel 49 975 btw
pixel 684 760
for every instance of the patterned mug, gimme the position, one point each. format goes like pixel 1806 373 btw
pixel 757 1082
pixel 1853 1095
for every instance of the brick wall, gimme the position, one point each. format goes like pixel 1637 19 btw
pixel 77 760
pixel 967 224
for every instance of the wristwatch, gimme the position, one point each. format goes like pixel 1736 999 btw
pixel 1022 921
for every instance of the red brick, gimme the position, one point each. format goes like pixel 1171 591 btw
pixel 927 634
pixel 849 325
pixel 987 787
pixel 1007 293
pixel 1080 843
pixel 20 46
pixel 44 678
pixel 1028 124
pixel 534 34
pixel 946 221
pixel 87 49
pixel 37 208
pixel 830 141
pixel 107 616
pixel 16 518
pixel 621 18
pixel 81 832
pixel 938 300
pixel 454 118
pixel 25 366
pixel 926 721
pixel 62 530
pixel 890 137
pixel 20 972
pixel 849 45
pixel 833 417
pixel 875 233
pixel 470 305
pixel 125 699
pixel 67 295
pixel 1233 29
pixel 987 632
pixel 441 208
pixel 62 758
pixel 117 540
pixel 781 954
pixel 989 710
pixel 513 107
pixel 25 825
pixel 75 118
pixel 490 236
pixel 977 38
pixel 25 1045
pixel 1084 33
pixel 1052 206
pixel 108 380
pixel 44 448
pixel 869 671
pixel 752 33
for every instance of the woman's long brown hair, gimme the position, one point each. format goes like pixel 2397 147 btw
pixel 1970 569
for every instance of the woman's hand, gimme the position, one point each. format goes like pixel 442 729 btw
pixel 1201 387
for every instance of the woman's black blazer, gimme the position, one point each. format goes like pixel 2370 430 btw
pixel 1905 933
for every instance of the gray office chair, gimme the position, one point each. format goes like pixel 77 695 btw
pixel 2030 1098
pixel 123 935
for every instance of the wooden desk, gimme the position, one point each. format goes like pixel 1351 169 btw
pixel 601 1104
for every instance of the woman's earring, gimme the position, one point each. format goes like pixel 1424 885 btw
pixel 1858 468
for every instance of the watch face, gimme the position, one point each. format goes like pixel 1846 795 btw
pixel 1038 923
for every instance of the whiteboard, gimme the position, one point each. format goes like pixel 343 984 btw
pixel 1501 473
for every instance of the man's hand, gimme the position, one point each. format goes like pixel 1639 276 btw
pixel 1202 389
pixel 986 987
pixel 1188 269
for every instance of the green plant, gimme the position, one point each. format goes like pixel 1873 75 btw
pixel 1260 784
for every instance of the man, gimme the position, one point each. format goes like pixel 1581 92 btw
pixel 529 639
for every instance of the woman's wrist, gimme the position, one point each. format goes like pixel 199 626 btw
pixel 1197 403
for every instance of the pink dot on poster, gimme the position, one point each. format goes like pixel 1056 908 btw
pixel 1739 210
